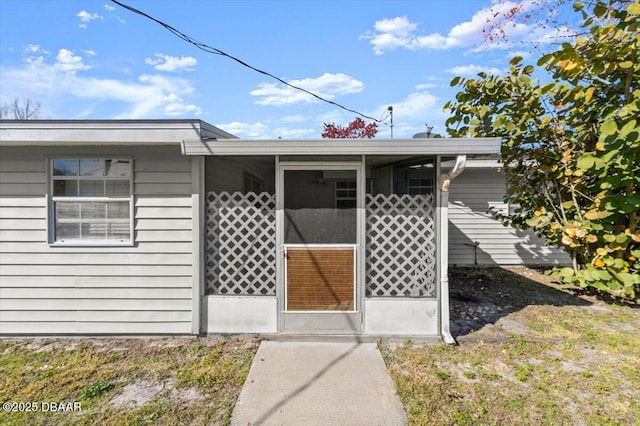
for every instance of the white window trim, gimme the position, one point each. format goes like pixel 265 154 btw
pixel 52 199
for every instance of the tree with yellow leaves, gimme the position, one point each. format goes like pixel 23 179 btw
pixel 571 147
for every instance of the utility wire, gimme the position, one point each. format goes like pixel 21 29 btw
pixel 209 49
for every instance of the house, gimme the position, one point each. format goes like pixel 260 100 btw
pixel 177 227
pixel 476 237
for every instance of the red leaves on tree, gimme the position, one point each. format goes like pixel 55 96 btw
pixel 535 13
pixel 357 129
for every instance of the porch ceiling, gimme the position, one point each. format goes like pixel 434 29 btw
pixel 439 146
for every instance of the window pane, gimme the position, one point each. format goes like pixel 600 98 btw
pixel 90 211
pixel 65 188
pixel 92 167
pixel 118 230
pixel 65 167
pixel 91 188
pixel 67 231
pixel 117 188
pixel 93 231
pixel 118 210
pixel 65 210
pixel 67 221
pixel 118 168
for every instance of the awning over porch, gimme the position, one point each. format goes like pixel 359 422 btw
pixel 431 146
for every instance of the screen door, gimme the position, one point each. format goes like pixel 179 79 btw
pixel 320 248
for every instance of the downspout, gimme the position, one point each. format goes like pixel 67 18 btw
pixel 444 181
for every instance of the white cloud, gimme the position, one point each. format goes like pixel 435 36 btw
pixel 256 130
pixel 399 32
pixel 57 80
pixel 390 34
pixel 286 133
pixel 410 114
pixel 425 86
pixel 32 48
pixel 472 70
pixel 415 105
pixel 327 85
pixel 86 17
pixel 172 63
pixel 67 61
pixel 177 109
pixel 109 8
pixel 264 130
pixel 399 26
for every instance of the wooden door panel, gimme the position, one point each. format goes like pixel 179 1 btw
pixel 320 279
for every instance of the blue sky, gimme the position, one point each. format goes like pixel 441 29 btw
pixel 87 59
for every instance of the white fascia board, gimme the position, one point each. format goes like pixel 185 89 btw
pixel 476 164
pixel 435 146
pixel 103 132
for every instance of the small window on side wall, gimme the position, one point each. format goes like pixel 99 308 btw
pixel 91 201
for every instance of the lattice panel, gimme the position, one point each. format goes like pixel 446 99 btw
pixel 401 250
pixel 240 247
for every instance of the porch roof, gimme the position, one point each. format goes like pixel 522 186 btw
pixel 431 146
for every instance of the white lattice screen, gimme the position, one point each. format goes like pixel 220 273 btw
pixel 401 251
pixel 240 245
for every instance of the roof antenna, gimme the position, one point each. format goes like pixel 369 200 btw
pixel 429 129
pixel 390 109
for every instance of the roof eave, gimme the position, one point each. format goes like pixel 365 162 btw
pixel 432 146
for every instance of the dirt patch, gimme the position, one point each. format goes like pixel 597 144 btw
pixel 138 393
pixel 141 392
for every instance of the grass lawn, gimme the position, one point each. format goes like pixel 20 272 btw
pixel 530 353
pixel 142 381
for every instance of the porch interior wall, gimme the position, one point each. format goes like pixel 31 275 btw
pixel 227 173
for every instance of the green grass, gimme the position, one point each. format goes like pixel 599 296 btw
pixel 578 364
pixel 197 381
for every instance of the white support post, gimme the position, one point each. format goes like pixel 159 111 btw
pixel 444 180
pixel 443 231
pixel 361 237
pixel 280 271
pixel 197 248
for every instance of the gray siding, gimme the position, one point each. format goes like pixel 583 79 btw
pixel 142 289
pixel 471 195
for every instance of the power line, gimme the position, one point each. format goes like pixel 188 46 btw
pixel 209 49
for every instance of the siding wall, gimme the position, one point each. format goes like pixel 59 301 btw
pixel 471 195
pixel 142 289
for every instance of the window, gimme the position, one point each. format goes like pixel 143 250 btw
pixel 252 183
pixel 346 194
pixel 91 201
pixel 420 186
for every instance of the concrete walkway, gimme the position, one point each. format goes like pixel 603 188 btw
pixel 318 383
